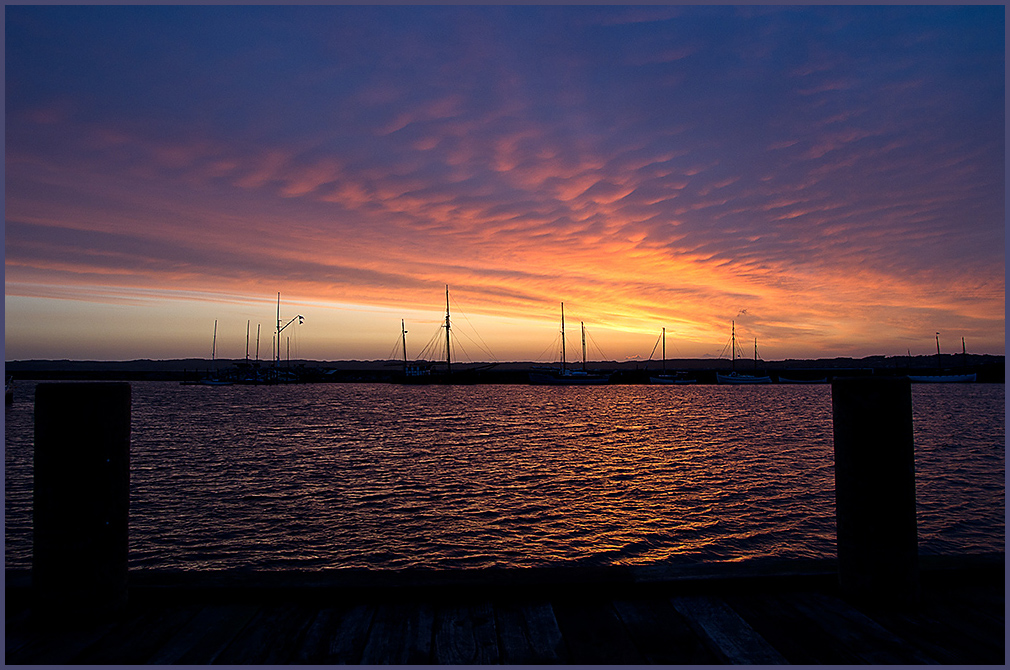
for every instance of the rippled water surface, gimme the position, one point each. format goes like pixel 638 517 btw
pixel 387 476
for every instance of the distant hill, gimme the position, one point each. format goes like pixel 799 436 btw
pixel 989 367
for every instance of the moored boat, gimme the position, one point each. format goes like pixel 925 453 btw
pixel 735 377
pixel 789 380
pixel 663 377
pixel 679 378
pixel 943 379
pixel 565 376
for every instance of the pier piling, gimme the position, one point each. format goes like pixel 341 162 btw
pixel 81 498
pixel 877 537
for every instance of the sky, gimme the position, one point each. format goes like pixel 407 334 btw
pixel 829 179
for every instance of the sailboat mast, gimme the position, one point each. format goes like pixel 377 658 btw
pixel 964 354
pixel 734 346
pixel 258 341
pixel 277 348
pixel 664 349
pixel 583 323
pixel 755 353
pixel 448 357
pixel 213 346
pixel 247 323
pixel 938 367
pixel 563 337
pixel 403 328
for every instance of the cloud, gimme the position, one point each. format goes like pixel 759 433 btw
pixel 636 159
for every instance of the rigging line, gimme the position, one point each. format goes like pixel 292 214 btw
pixel 655 346
pixel 553 345
pixel 457 344
pixel 482 344
pixel 428 349
pixel 598 347
pixel 725 346
pixel 392 352
pixel 464 334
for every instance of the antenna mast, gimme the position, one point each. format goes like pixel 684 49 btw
pixel 664 349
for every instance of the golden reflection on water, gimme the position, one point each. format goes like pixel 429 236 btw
pixel 386 476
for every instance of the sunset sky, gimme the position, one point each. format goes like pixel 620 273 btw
pixel 831 178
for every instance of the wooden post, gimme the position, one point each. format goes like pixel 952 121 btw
pixel 875 489
pixel 81 498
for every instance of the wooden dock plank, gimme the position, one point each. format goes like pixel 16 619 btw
pixel 859 634
pixel 465 635
pixel 528 633
pixel 401 634
pixel 17 628
pixel 336 635
pixel 661 633
pixel 594 633
pixel 273 636
pixel 58 646
pixel 728 635
pixel 800 640
pixel 139 634
pixel 953 627
pixel 205 636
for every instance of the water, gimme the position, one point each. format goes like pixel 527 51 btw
pixel 387 476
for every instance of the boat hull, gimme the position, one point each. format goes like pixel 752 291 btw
pixel 742 379
pixel 669 380
pixel 540 378
pixel 786 380
pixel 942 379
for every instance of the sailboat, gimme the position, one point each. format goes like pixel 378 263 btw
pixel 214 379
pixel 566 376
pixel 663 378
pixel 416 373
pixel 735 377
pixel 942 378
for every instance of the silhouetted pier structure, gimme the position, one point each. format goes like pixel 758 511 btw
pixel 873 604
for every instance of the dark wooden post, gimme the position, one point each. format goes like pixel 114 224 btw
pixel 878 541
pixel 81 497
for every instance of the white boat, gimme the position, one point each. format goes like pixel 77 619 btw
pixel 735 377
pixel 567 377
pixel 564 376
pixel 942 379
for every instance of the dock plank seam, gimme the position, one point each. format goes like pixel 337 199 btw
pixel 730 636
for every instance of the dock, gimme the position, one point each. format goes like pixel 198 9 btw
pixel 877 602
pixel 736 613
